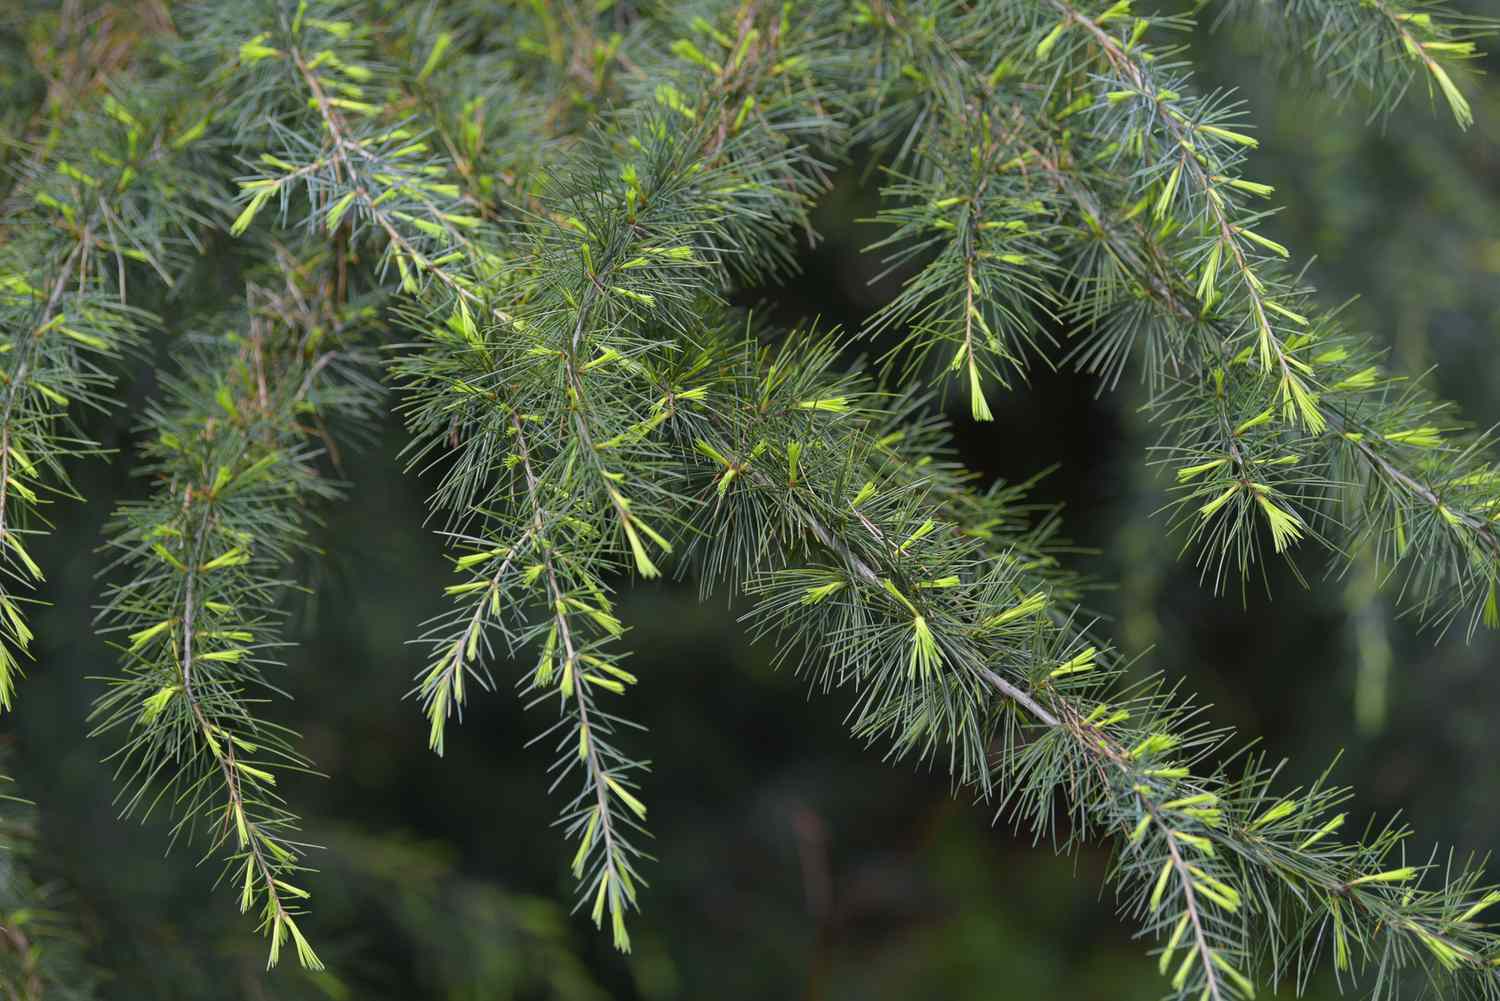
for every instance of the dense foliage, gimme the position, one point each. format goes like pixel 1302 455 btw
pixel 524 227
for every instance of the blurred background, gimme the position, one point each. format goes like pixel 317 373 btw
pixel 796 864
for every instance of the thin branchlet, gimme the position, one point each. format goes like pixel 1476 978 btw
pixel 234 454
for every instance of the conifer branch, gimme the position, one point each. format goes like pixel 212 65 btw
pixel 1113 754
pixel 235 465
pixel 1140 255
pixel 596 274
pixel 1325 392
pixel 1222 276
pixel 615 879
pixel 1191 149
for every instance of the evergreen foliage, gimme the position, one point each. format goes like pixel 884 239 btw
pixel 540 213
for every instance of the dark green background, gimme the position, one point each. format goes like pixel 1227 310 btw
pixel 793 863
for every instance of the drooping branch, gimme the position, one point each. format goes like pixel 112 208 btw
pixel 1267 863
pixel 235 465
